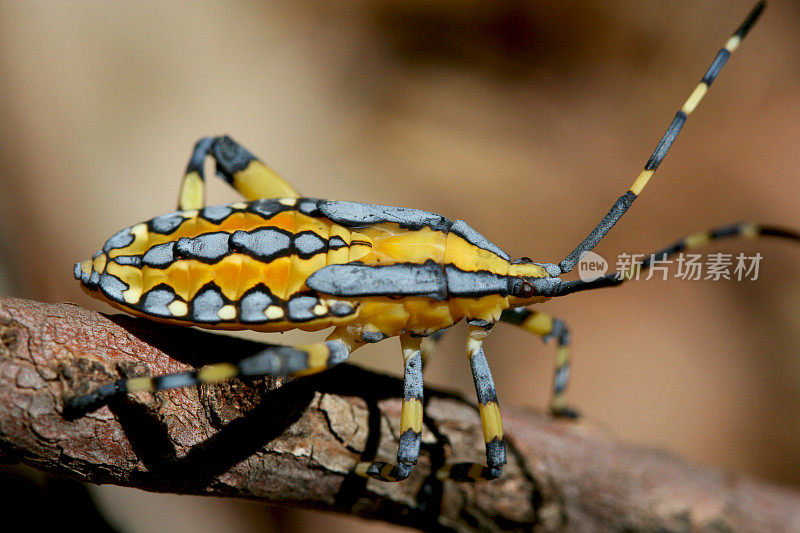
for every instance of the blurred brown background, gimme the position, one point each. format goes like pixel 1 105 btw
pixel 527 119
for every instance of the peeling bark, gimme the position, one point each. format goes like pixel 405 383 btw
pixel 295 443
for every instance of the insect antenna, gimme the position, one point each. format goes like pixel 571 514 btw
pixel 624 202
pixel 743 229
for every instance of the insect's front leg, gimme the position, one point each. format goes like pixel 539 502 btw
pixel 410 419
pixel 234 164
pixel 548 328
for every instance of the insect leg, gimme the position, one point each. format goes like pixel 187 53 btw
pixel 548 328
pixel 192 194
pixel 489 411
pixel 273 361
pixel 410 420
pixel 237 166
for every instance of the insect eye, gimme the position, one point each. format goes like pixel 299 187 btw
pixel 527 290
pixel 521 288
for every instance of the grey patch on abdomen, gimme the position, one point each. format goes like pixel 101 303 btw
pixel 266 208
pixel 113 287
pixel 208 247
pixel 336 242
pixel 264 244
pixel 166 224
pixel 129 260
pixel 207 303
pixel 120 239
pixel 308 206
pixel 300 308
pixel 157 299
pixel 253 303
pixel 216 213
pixel 308 244
pixel 160 256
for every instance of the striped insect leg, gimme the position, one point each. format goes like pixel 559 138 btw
pixel 490 414
pixel 237 166
pixel 273 361
pixel 250 176
pixel 192 193
pixel 410 422
pixel 548 328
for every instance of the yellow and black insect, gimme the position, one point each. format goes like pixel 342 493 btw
pixel 281 261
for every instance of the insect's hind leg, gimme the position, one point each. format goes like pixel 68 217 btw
pixel 273 361
pixel 548 328
pixel 410 419
pixel 234 164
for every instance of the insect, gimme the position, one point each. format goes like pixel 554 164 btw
pixel 280 261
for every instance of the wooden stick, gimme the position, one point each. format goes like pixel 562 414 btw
pixel 296 444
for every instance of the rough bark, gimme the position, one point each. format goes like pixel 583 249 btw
pixel 295 444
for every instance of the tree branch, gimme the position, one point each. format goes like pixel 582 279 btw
pixel 296 444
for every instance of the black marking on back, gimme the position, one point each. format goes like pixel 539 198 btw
pixel 463 230
pixel 358 215
pixel 397 280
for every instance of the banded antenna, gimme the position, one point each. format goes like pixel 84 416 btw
pixel 624 202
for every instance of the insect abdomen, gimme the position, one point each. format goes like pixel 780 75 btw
pixel 241 265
